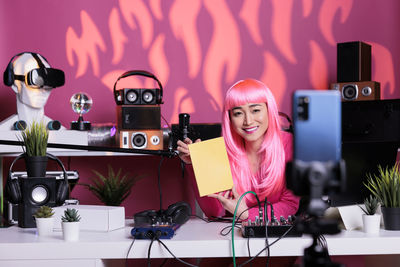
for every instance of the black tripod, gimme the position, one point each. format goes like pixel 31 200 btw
pixel 316 179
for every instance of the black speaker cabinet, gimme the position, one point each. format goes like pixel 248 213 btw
pixel 371 121
pixel 203 131
pixel 353 62
pixel 131 117
pixel 35 192
pixel 370 137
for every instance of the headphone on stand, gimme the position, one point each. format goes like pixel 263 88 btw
pixel 13 189
pixel 123 96
pixel 9 77
pixel 177 213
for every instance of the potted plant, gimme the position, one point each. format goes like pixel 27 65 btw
pixel 371 220
pixel 385 186
pixel 112 189
pixel 44 220
pixel 70 224
pixel 34 140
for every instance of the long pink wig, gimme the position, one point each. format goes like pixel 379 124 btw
pixel 270 177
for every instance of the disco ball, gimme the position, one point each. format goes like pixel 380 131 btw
pixel 81 103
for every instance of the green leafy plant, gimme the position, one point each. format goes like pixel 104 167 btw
pixel 371 205
pixel 71 215
pixel 385 186
pixel 44 212
pixel 114 188
pixel 35 139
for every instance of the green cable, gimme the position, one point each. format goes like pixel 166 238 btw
pixel 233 223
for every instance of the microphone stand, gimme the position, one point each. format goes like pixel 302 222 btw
pixel 168 153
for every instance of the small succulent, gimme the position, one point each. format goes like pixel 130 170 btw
pixel 44 212
pixel 71 215
pixel 371 204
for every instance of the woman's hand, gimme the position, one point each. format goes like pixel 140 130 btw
pixel 229 200
pixel 183 148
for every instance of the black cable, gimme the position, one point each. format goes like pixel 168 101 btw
pixel 149 250
pixel 238 221
pixel 272 213
pixel 159 181
pixel 266 229
pixel 178 259
pixel 129 250
pixel 201 218
pixel 229 227
pixel 69 163
pixel 248 247
pixel 322 241
pixel 166 121
pixel 164 262
pixel 258 254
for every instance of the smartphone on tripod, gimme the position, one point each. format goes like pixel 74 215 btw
pixel 317 125
pixel 317 166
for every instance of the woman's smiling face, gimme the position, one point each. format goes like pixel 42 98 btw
pixel 250 121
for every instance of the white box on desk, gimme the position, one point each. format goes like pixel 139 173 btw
pixel 93 217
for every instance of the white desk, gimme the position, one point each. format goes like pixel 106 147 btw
pixel 195 239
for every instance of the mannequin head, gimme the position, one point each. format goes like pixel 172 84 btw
pixel 33 97
pixel 32 79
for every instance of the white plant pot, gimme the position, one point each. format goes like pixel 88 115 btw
pixel 44 226
pixel 371 223
pixel 70 231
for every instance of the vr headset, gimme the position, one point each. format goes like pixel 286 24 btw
pixel 40 78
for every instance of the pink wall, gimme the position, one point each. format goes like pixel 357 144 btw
pixel 197 49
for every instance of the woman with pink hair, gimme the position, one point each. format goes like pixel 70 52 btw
pixel 257 149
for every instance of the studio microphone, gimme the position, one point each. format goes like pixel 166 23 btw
pixel 184 121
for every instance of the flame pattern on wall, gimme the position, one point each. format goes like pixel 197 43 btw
pixel 208 37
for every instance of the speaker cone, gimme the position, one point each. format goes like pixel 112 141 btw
pixel 131 96
pixel 39 194
pixel 139 140
pixel 148 96
pixel 350 92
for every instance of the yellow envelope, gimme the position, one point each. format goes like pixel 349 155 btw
pixel 211 166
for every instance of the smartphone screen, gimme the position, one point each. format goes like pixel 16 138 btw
pixel 317 125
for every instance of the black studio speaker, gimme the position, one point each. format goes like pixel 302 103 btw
pixel 138 96
pixel 370 137
pixel 139 117
pixel 32 192
pixel 35 192
pixel 353 62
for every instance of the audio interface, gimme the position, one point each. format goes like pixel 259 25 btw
pixel 161 231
